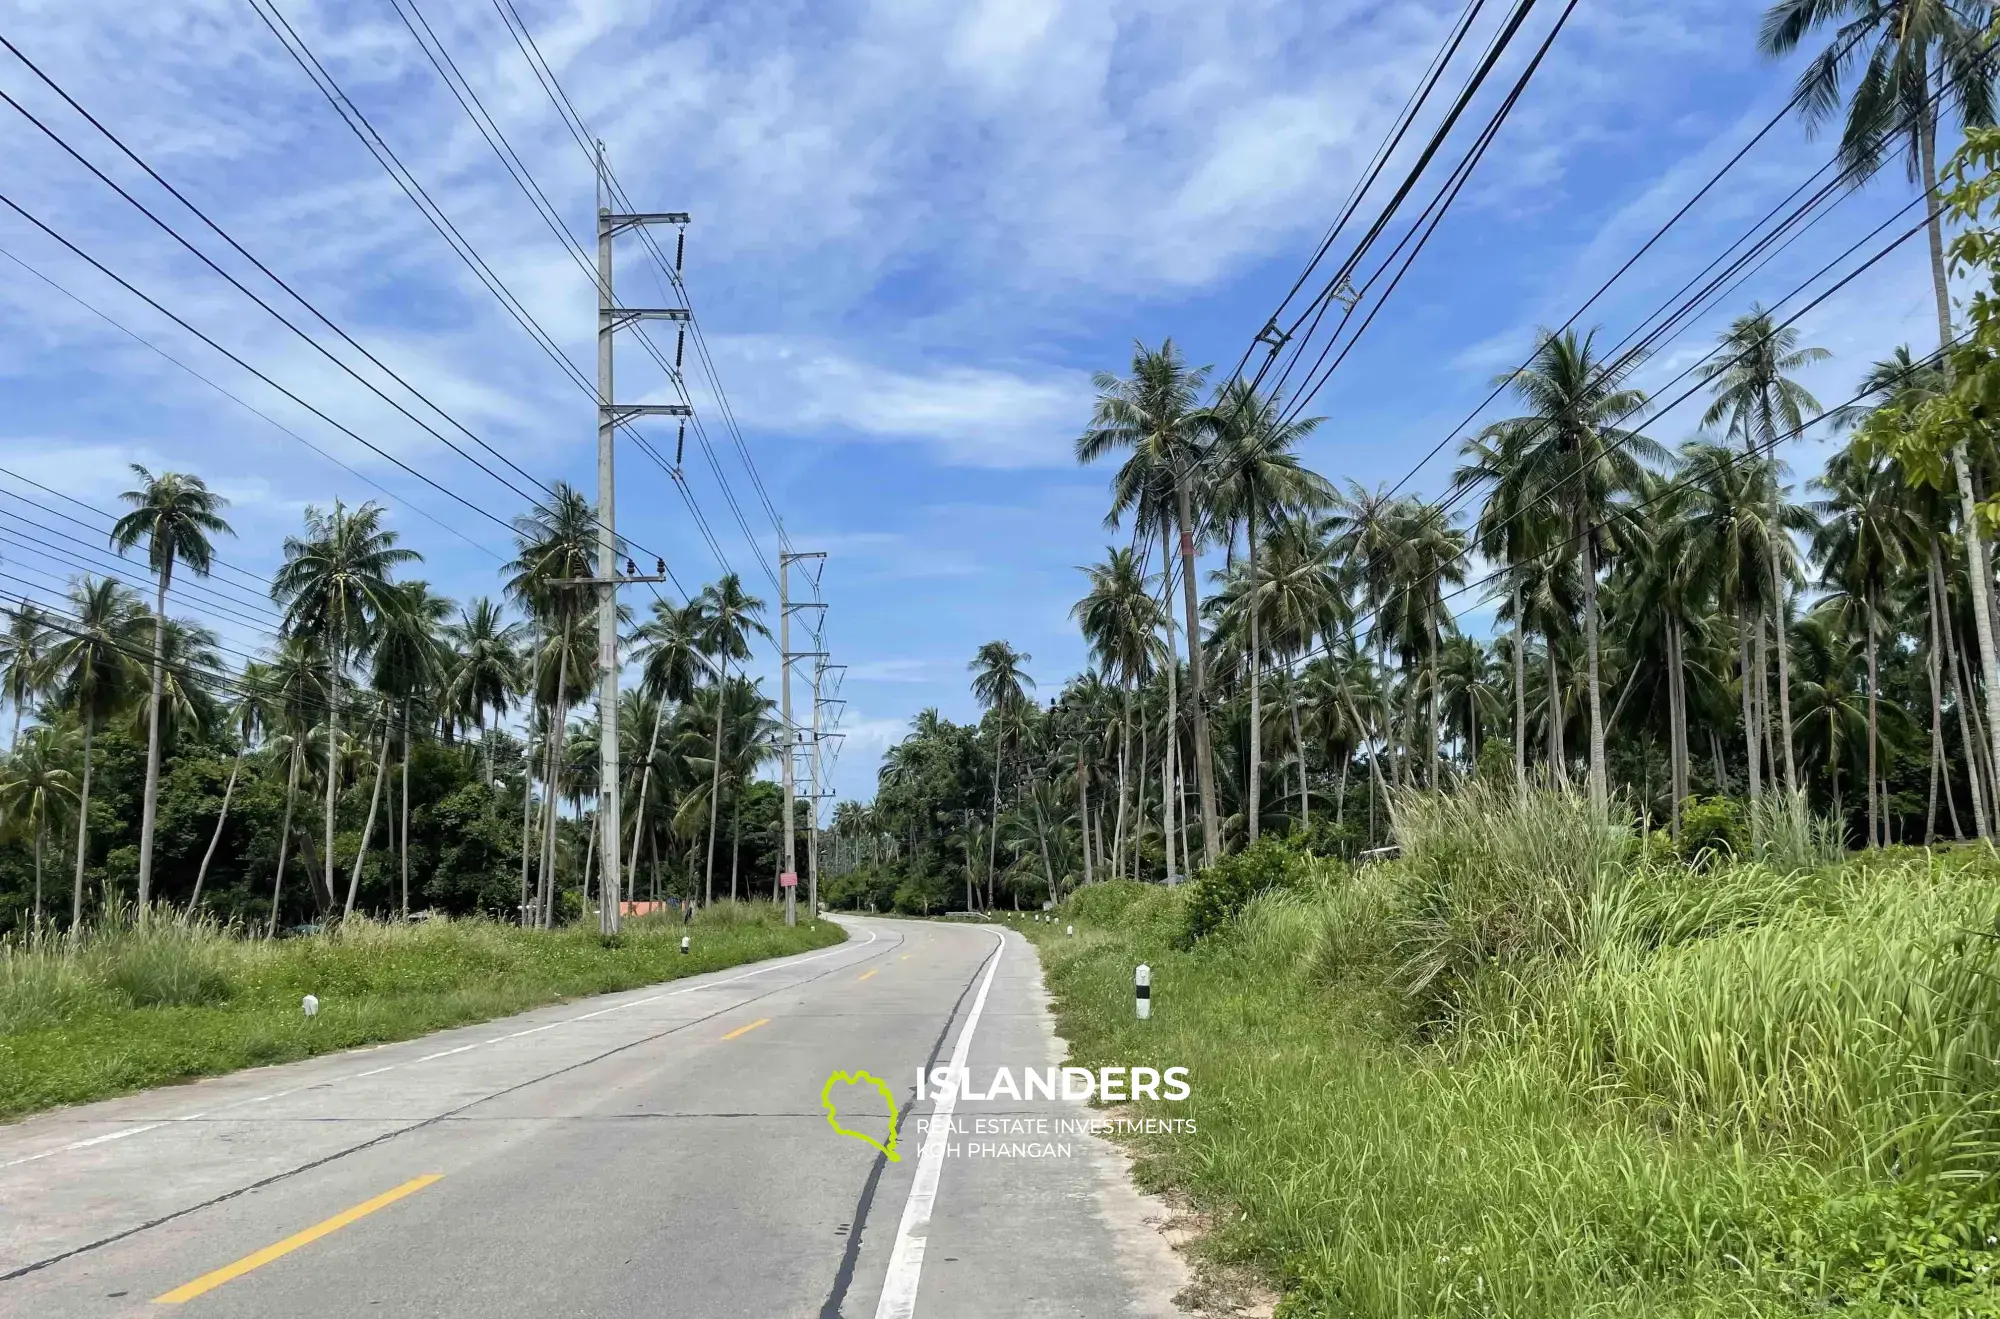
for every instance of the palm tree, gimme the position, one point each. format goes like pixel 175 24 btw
pixel 412 659
pixel 670 651
pixel 334 585
pixel 33 786
pixel 1120 620
pixel 94 675
pixel 246 723
pixel 23 652
pixel 485 669
pixel 1910 45
pixel 1584 460
pixel 1001 685
pixel 555 543
pixel 299 679
pixel 1156 413
pixel 730 617
pixel 1303 597
pixel 175 514
pixel 1862 544
pixel 1259 479
pixel 1762 406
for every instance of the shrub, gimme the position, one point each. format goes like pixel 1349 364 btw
pixel 1221 891
pixel 1786 835
pixel 165 963
pixel 1712 831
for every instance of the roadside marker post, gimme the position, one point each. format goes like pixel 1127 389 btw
pixel 684 945
pixel 310 1005
pixel 1142 991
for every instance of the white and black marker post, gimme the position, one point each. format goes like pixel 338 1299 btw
pixel 684 945
pixel 1142 991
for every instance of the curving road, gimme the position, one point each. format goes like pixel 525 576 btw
pixel 655 1152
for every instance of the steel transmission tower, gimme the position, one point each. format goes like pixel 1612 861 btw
pixel 788 729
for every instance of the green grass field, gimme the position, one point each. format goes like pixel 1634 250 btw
pixel 1525 1072
pixel 140 1006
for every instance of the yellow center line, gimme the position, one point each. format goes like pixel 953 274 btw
pixel 869 972
pixel 906 957
pixel 745 1030
pixel 210 1281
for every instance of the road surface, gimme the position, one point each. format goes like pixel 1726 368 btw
pixel 656 1152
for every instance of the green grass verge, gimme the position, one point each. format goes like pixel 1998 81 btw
pixel 132 1008
pixel 1734 1119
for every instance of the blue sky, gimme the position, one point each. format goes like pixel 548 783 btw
pixel 918 228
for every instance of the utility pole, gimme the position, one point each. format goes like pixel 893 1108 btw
pixel 788 879
pixel 820 670
pixel 612 318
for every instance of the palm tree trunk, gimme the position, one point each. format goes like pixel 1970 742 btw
pixel 150 811
pixel 405 904
pixel 715 780
pixel 1256 790
pixel 1204 754
pixel 1558 757
pixel 1520 692
pixel 333 746
pixel 1139 793
pixel 367 829
pixel 1124 757
pixel 194 902
pixel 736 846
pixel 1769 747
pixel 285 836
pixel 1299 750
pixel 590 859
pixel 1937 713
pixel 1600 791
pixel 993 828
pixel 1784 649
pixel 1873 817
pixel 1676 723
pixel 558 724
pixel 1437 715
pixel 1083 810
pixel 1968 734
pixel 41 834
pixel 82 827
pixel 528 764
pixel 645 786
pixel 1749 709
pixel 1975 541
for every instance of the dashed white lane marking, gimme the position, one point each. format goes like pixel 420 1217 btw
pixel 906 1260
pixel 109 1136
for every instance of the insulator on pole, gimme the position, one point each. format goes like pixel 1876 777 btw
pixel 680 442
pixel 680 249
pixel 680 344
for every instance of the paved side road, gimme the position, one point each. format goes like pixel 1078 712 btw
pixel 660 1151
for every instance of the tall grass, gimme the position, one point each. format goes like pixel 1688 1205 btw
pixel 130 1005
pixel 1528 1071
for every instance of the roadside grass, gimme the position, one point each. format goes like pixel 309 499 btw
pixel 133 1006
pixel 1529 1076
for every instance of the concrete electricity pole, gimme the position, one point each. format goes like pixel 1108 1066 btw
pixel 789 877
pixel 610 415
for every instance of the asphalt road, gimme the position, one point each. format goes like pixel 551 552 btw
pixel 660 1152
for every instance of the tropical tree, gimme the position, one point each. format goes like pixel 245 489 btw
pixel 335 588
pixel 1577 452
pixel 34 785
pixel 1001 684
pixel 1157 414
pixel 730 617
pixel 176 515
pixel 1120 620
pixel 94 668
pixel 485 669
pixel 23 660
pixel 1256 477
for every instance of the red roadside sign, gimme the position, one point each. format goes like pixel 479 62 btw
pixel 789 879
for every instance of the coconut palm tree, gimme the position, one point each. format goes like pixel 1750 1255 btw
pixel 1156 413
pixel 1579 454
pixel 34 785
pixel 412 660
pixel 176 515
pixel 1120 620
pixel 555 544
pixel 246 721
pixel 1919 62
pixel 1761 406
pixel 94 671
pixel 1000 683
pixel 485 669
pixel 294 696
pixel 669 647
pixel 335 588
pixel 1257 478
pixel 23 652
pixel 1861 546
pixel 730 617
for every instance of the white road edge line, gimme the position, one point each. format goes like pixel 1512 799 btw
pixel 906 1260
pixel 260 1099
